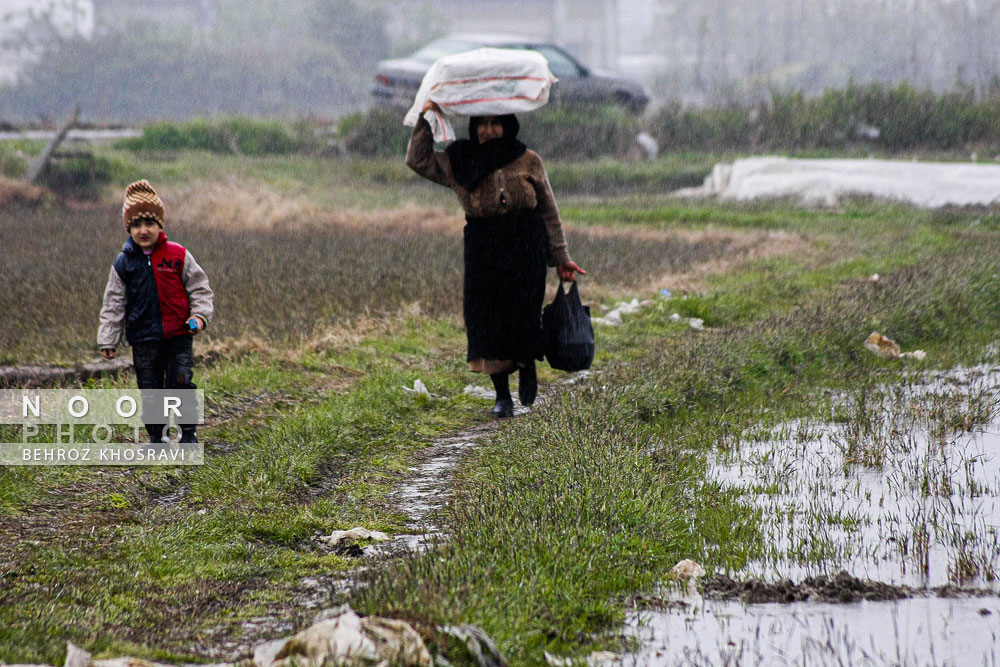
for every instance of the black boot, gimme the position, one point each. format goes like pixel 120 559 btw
pixel 503 408
pixel 155 432
pixel 505 404
pixel 527 383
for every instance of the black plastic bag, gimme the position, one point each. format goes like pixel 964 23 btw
pixel 569 334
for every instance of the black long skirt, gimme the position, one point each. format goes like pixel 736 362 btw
pixel 506 259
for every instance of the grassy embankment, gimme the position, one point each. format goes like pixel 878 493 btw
pixel 560 516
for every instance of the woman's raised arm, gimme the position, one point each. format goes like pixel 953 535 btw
pixel 421 156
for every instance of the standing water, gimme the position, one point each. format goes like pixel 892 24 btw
pixel 881 532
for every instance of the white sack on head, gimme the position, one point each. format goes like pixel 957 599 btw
pixel 483 82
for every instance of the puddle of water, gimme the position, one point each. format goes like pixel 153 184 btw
pixel 915 631
pixel 428 486
pixel 900 498
pixel 903 489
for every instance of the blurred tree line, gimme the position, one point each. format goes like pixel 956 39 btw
pixel 261 58
pixel 721 52
pixel 873 116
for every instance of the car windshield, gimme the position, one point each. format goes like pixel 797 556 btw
pixel 443 47
pixel 559 63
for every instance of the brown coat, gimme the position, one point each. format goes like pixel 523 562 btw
pixel 524 182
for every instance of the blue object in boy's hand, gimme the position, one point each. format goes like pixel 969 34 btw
pixel 193 324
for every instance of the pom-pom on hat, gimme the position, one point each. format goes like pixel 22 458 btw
pixel 141 201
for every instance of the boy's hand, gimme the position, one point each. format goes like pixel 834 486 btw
pixel 108 353
pixel 198 321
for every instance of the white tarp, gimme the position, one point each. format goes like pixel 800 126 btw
pixel 924 184
pixel 482 82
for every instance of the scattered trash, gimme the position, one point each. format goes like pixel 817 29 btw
pixel 690 571
pixel 479 392
pixel 127 662
pixel 873 278
pixel 881 346
pixel 695 323
pixel 865 131
pixel 592 660
pixel 481 647
pixel 344 638
pixel 76 656
pixel 419 389
pixel 359 533
pixel 648 144
pixel 687 569
pixel 612 319
pixel 627 308
pixel 886 348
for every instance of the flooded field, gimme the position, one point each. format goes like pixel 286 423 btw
pixel 916 631
pixel 882 532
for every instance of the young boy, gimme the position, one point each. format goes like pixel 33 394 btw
pixel 159 295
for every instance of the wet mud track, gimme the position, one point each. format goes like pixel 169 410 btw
pixel 420 496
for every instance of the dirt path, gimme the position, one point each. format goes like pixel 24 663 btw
pixel 421 496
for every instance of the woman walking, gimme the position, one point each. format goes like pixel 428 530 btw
pixel 512 233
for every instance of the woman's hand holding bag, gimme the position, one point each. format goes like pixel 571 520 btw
pixel 567 271
pixel 568 331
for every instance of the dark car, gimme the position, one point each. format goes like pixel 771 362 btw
pixel 397 81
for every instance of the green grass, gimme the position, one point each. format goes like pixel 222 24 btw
pixel 560 517
pixel 158 574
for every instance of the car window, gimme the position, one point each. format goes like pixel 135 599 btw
pixel 560 64
pixel 443 47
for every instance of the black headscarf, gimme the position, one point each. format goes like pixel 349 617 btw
pixel 471 161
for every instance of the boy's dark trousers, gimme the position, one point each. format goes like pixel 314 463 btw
pixel 165 364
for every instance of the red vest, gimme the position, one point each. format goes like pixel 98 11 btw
pixel 167 261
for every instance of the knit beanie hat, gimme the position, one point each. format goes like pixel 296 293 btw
pixel 141 202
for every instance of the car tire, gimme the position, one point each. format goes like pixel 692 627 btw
pixel 628 103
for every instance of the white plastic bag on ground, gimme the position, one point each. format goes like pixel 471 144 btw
pixel 690 571
pixel 358 533
pixel 479 392
pixel 483 82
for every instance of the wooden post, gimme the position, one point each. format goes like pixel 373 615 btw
pixel 38 165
